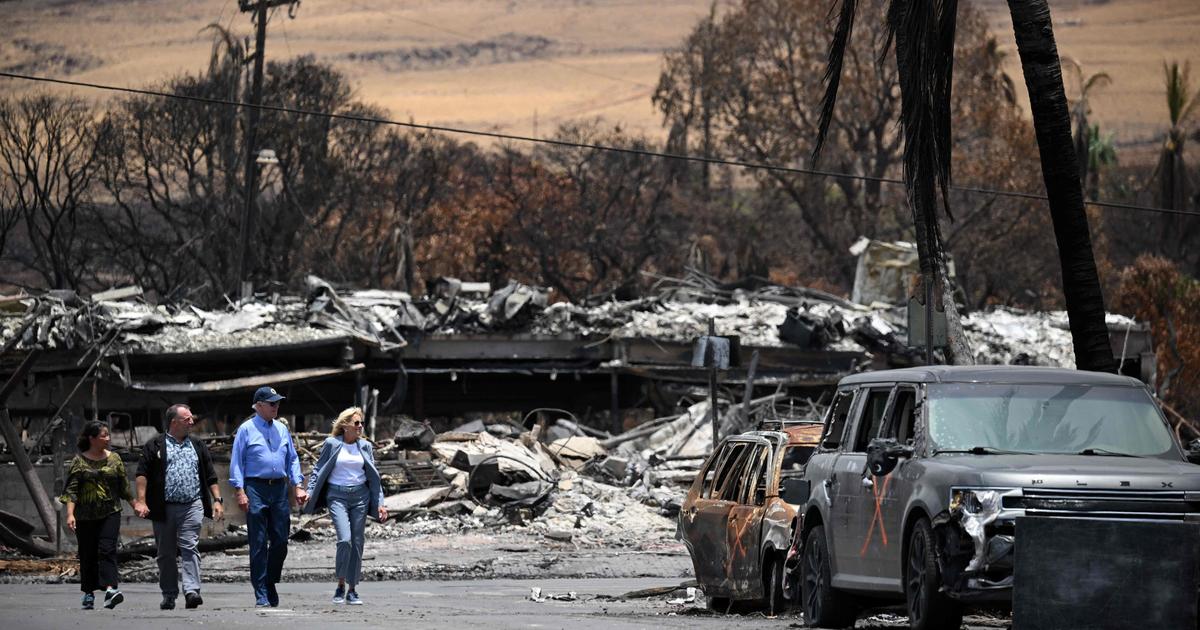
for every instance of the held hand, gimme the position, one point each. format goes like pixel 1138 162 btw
pixel 71 522
pixel 301 495
pixel 382 514
pixel 218 511
pixel 243 501
pixel 140 508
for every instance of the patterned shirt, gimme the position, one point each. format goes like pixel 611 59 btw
pixel 96 487
pixel 183 471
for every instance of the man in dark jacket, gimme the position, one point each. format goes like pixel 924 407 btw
pixel 176 488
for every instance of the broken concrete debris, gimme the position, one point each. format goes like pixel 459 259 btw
pixel 535 595
pixel 769 316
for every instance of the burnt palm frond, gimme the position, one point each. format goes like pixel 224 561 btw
pixel 943 65
pixel 924 42
pixel 833 71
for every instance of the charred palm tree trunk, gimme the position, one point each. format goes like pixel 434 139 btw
pixel 1060 170
pixel 924 32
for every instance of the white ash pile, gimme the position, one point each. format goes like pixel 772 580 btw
pixel 570 489
pixel 122 322
pixel 1010 336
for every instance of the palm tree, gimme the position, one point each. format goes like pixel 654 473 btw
pixel 1172 177
pixel 1083 130
pixel 1101 153
pixel 924 44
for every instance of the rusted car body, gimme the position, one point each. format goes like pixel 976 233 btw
pixel 736 522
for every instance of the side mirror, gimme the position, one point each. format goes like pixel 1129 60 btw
pixel 795 490
pixel 1193 452
pixel 883 455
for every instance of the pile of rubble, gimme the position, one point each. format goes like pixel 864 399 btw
pixel 553 479
pixel 680 310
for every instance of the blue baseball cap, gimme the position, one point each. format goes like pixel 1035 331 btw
pixel 267 394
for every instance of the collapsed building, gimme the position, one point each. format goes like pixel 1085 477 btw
pixel 607 390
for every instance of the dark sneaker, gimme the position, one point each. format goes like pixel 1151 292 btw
pixel 262 603
pixel 272 595
pixel 168 603
pixel 352 599
pixel 339 595
pixel 192 599
pixel 112 597
pixel 88 602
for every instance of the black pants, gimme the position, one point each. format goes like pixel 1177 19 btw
pixel 97 541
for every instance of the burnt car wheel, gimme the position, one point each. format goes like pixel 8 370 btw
pixel 823 605
pixel 777 599
pixel 928 607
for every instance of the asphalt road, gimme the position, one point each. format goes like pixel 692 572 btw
pixel 490 604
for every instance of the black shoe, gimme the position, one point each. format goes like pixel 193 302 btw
pixel 112 597
pixel 168 603
pixel 192 599
pixel 88 602
pixel 272 595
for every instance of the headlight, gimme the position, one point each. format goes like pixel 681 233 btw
pixel 980 502
pixel 978 507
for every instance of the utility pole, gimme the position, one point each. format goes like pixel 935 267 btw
pixel 246 232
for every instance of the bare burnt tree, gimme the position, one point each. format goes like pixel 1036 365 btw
pixel 768 59
pixel 590 221
pixel 48 168
pixel 422 170
pixel 764 63
pixel 295 192
pixel 171 178
pixel 10 214
pixel 1003 248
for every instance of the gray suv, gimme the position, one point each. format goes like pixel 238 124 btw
pixel 921 473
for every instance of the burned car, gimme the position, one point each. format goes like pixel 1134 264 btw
pixel 922 474
pixel 738 518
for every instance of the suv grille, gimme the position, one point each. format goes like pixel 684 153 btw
pixel 1110 504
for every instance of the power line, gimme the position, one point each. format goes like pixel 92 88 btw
pixel 575 145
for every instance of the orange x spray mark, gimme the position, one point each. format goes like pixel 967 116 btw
pixel 738 548
pixel 878 517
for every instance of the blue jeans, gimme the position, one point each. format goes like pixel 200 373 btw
pixel 348 508
pixel 267 523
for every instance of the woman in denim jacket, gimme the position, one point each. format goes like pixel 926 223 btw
pixel 346 481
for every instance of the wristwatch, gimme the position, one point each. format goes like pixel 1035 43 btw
pixel 219 500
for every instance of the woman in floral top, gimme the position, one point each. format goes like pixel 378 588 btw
pixel 96 483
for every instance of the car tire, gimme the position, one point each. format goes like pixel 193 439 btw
pixel 928 607
pixel 823 605
pixel 774 588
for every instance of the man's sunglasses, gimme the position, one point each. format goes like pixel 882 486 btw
pixel 271 404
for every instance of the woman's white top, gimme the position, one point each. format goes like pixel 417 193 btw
pixel 349 469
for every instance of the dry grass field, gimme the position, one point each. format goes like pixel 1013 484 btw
pixel 524 66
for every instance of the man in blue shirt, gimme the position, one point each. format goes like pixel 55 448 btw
pixel 261 465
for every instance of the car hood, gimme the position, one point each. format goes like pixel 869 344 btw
pixel 1069 471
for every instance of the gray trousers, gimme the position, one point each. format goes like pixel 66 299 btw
pixel 348 507
pixel 179 532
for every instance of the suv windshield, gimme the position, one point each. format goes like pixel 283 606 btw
pixel 1047 419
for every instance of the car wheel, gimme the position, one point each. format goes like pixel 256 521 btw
pixel 777 599
pixel 928 607
pixel 823 605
